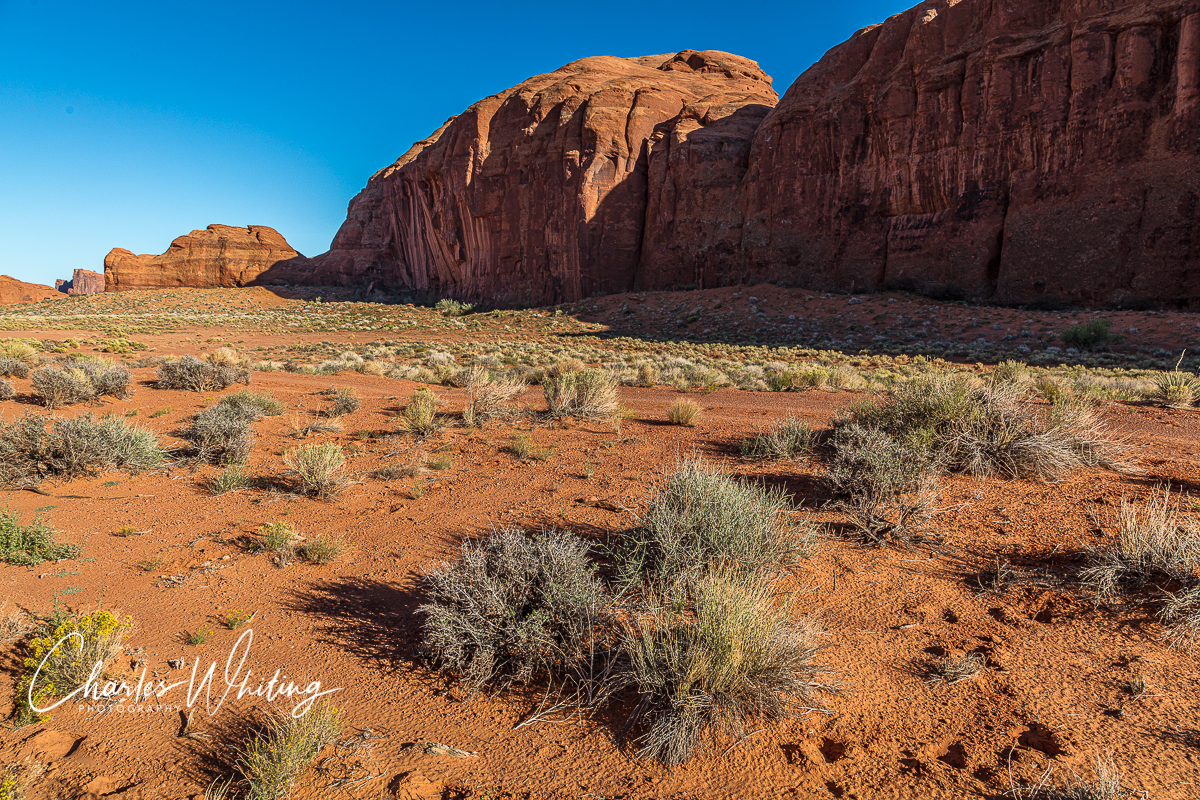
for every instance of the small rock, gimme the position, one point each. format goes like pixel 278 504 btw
pixel 175 663
pixel 855 301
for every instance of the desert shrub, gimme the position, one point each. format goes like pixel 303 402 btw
pixel 647 376
pixel 799 379
pixel 344 402
pixel 1089 335
pixel 586 394
pixel 453 308
pixel 420 415
pixel 1150 544
pixel 789 439
pixel 228 357
pixel 221 434
pixel 1174 390
pixel 81 382
pixel 683 412
pixel 230 479
pixel 869 463
pixel 85 639
pixel 7 390
pixel 253 404
pixel 700 517
pixel 486 397
pixel 987 429
pixel 317 468
pixel 1107 785
pixel 193 375
pixel 278 535
pixel 32 544
pixel 1181 614
pixel 1010 372
pixel 956 669
pixel 523 447
pixel 514 608
pixel 70 448
pixel 711 666
pixel 273 760
pixel 1051 390
pixel 325 549
pixel 19 351
pixel 13 368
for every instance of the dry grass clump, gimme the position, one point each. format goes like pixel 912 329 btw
pixel 273 760
pixel 486 397
pixel 514 608
pixel 1010 372
pixel 956 669
pixel 31 452
pixel 82 382
pixel 13 368
pixel 700 517
pixel 712 663
pixel 254 404
pixel 1150 545
pixel 1107 785
pixel 278 535
pixel 683 412
pixel 584 393
pixel 987 430
pixel 189 373
pixel 789 439
pixel 420 415
pixel 228 357
pixel 317 468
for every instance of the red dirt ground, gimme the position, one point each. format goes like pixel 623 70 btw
pixel 1052 694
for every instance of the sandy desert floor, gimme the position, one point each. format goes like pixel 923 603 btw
pixel 1056 691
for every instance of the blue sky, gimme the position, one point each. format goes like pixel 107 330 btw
pixel 128 124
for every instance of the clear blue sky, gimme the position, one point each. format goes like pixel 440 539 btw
pixel 128 124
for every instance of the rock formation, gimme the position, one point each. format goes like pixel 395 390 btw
pixel 83 281
pixel 15 291
pixel 1005 151
pixel 219 255
pixel 546 192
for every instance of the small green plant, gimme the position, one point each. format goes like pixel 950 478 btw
pixel 236 618
pixel 32 544
pixel 420 415
pixel 683 412
pixel 1174 390
pixel 275 758
pixel 325 549
pixel 231 479
pixel 441 462
pixel 128 530
pixel 162 412
pixel 453 308
pixel 278 535
pixel 150 564
pixel 344 402
pixel 200 635
pixel 253 404
pixel 1090 335
pixel 416 491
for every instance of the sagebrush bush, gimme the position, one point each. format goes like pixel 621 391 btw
pixel 254 404
pixel 1089 335
pixel 7 390
pixel 231 479
pixel 699 517
pixel 486 397
pixel 710 666
pixel 272 761
pixel 13 368
pixel 80 382
pixel 514 608
pixel 987 430
pixel 1010 372
pixel 31 452
pixel 19 351
pixel 317 468
pixel 325 549
pixel 683 412
pixel 1174 390
pixel 344 402
pixel 788 439
pixel 869 463
pixel 189 373
pixel 221 434
pixel 586 394
pixel 85 639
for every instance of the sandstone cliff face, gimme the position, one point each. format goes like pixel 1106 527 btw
pixel 1007 151
pixel 220 255
pixel 83 281
pixel 544 192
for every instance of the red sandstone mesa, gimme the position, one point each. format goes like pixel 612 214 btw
pixel 83 281
pixel 15 291
pixel 547 191
pixel 220 255
pixel 1007 151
